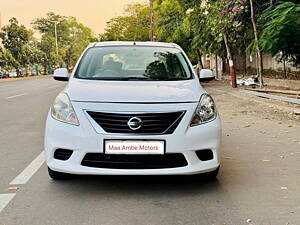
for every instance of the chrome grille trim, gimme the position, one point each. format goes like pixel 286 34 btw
pixel 154 123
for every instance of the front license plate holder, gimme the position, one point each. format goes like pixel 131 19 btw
pixel 134 147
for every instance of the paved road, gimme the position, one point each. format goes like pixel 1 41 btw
pixel 259 180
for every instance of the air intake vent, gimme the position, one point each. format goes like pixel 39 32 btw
pixel 100 160
pixel 150 123
pixel 205 155
pixel 62 154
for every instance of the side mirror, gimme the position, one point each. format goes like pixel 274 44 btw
pixel 61 74
pixel 206 74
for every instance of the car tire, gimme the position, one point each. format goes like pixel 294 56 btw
pixel 59 175
pixel 212 175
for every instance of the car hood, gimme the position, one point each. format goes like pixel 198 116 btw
pixel 134 91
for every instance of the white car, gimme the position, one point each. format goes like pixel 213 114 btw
pixel 12 74
pixel 154 120
pixel 205 74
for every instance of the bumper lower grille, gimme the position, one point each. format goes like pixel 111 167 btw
pixel 151 123
pixel 62 154
pixel 100 160
pixel 205 155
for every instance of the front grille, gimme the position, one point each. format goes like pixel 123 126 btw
pixel 62 154
pixel 100 160
pixel 152 123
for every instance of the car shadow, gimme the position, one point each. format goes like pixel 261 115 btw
pixel 140 185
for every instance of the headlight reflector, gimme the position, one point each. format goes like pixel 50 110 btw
pixel 206 111
pixel 62 110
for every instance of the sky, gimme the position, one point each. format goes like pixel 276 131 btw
pixel 92 13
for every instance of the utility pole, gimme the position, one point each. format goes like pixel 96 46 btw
pixel 55 30
pixel 151 21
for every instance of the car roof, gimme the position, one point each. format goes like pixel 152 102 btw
pixel 138 43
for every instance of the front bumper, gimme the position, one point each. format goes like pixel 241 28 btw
pixel 87 138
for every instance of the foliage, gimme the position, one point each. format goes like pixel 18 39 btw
pixel 173 24
pixel 72 36
pixel 46 25
pixel 134 25
pixel 169 19
pixel 198 26
pixel 281 33
pixel 7 61
pixel 80 36
pixel 47 46
pixel 209 21
pixel 14 38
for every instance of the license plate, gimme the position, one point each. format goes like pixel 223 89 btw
pixel 134 147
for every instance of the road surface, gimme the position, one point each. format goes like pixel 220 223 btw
pixel 259 182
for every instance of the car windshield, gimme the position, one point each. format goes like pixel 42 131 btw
pixel 133 63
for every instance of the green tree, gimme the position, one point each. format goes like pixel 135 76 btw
pixel 73 37
pixel 7 61
pixel 14 38
pixel 281 31
pixel 134 25
pixel 46 25
pixel 80 36
pixel 49 56
pixel 30 55
pixel 173 24
pixel 215 26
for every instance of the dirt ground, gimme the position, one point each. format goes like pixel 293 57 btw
pixel 245 104
pixel 260 155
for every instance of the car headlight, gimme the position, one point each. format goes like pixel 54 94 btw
pixel 62 110
pixel 206 111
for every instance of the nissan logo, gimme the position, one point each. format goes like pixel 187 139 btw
pixel 135 123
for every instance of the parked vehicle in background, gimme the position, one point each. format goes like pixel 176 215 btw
pixel 3 75
pixel 204 74
pixel 12 74
pixel 33 72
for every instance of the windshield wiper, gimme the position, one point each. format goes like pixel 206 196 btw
pixel 134 78
pixel 122 78
pixel 171 79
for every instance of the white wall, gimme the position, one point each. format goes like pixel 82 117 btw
pixel 270 62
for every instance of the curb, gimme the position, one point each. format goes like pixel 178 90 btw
pixel 24 78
